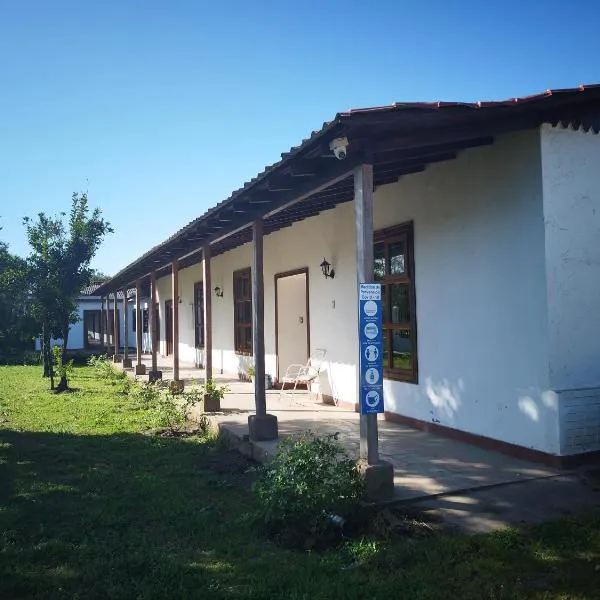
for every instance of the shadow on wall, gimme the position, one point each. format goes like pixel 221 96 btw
pixel 445 397
pixel 329 374
pixel 199 358
pixel 523 409
pixel 244 364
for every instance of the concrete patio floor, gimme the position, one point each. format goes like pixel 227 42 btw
pixel 476 489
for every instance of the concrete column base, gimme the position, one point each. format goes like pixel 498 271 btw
pixel 140 369
pixel 263 428
pixel 379 480
pixel 127 364
pixel 154 376
pixel 117 358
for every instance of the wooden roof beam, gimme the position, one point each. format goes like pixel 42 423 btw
pixel 461 133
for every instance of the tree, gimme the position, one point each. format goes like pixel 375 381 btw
pixel 98 276
pixel 17 324
pixel 60 266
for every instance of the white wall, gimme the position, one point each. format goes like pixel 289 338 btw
pixel 480 289
pixel 76 333
pixel 187 278
pixel 571 183
pixel 332 302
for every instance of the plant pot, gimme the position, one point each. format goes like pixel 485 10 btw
pixel 211 404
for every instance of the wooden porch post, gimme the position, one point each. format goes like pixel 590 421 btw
pixel 116 344
pixel 126 359
pixel 155 335
pixel 206 286
pixel 379 475
pixel 140 367
pixel 102 345
pixel 107 324
pixel 175 296
pixel 261 425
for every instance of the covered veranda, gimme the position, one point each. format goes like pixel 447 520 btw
pixel 425 465
pixel 379 147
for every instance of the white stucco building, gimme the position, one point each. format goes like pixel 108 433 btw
pixel 486 239
pixel 90 332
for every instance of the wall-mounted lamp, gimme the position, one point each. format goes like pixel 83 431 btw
pixel 219 292
pixel 180 300
pixel 328 272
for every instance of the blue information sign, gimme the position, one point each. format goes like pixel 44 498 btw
pixel 370 339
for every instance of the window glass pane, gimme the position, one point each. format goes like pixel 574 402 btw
pixel 402 349
pixel 379 262
pixel 248 338
pixel 400 303
pixel 246 287
pixel 397 257
pixel 385 307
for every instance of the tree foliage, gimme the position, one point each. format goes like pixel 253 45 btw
pixel 18 327
pixel 62 248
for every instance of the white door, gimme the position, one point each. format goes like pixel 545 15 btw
pixel 292 321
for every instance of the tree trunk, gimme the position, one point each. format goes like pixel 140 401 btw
pixel 45 360
pixel 50 366
pixel 65 337
pixel 63 384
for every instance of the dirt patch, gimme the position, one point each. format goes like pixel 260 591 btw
pixel 229 467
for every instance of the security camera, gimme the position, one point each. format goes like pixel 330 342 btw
pixel 338 147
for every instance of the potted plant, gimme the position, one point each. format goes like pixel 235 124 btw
pixel 250 373
pixel 213 394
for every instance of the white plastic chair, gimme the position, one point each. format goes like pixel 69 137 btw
pixel 297 374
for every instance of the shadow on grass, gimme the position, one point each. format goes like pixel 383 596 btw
pixel 119 516
pixel 134 516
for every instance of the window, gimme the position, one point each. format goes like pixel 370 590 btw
pixel 133 321
pixel 199 314
pixel 394 269
pixel 242 315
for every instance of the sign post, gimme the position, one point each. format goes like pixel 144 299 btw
pixel 371 348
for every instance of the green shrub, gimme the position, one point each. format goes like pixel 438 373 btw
pixel 62 369
pixel 146 393
pixel 102 366
pixel 172 406
pixel 309 480
pixel 214 391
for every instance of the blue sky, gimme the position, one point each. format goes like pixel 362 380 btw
pixel 160 109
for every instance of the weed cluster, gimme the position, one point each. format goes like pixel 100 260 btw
pixel 170 405
pixel 309 487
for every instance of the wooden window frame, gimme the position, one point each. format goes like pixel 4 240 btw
pixel 403 232
pixel 239 347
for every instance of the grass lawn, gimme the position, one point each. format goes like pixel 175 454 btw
pixel 90 507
